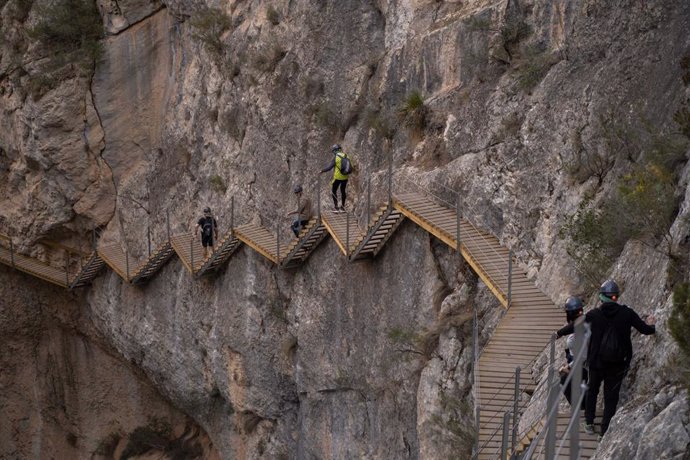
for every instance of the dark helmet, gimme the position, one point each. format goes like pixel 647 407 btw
pixel 573 308
pixel 207 210
pixel 573 304
pixel 336 148
pixel 610 289
pixel 297 188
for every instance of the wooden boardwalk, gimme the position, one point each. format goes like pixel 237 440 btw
pixel 522 334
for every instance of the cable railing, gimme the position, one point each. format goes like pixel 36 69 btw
pixel 578 389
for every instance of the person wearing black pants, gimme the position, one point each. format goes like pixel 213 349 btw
pixel 609 351
pixel 339 177
pixel 574 308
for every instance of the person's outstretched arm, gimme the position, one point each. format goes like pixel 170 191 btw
pixel 643 327
pixel 329 167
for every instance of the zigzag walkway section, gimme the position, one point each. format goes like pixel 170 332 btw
pixel 521 335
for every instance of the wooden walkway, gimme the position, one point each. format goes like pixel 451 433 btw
pixel 521 335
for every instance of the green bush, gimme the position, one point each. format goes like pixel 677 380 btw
pixel 209 24
pixel 217 184
pixel 413 112
pixel 67 26
pixel 679 325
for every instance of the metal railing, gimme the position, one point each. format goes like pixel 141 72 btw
pixel 578 389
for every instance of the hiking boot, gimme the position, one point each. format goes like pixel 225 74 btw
pixel 336 209
pixel 599 436
pixel 589 428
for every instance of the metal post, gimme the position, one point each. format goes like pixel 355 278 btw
pixel 347 234
pixel 127 264
pixel 299 218
pixel 390 179
pixel 12 252
pixel 576 391
pixel 369 200
pixel 148 236
pixel 167 221
pixel 516 398
pixel 318 196
pixel 477 420
pixel 510 276
pixel 191 251
pixel 553 388
pixel 232 215
pixel 504 437
pixel 278 244
pixel 457 222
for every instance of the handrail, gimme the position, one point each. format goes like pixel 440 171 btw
pixel 553 411
pixel 506 277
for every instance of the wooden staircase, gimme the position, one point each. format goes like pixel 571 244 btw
pixel 190 251
pixel 300 248
pixel 227 246
pixel 89 270
pixel 155 262
pixel 369 244
pixel 343 229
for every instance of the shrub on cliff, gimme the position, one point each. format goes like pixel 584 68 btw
pixel 67 26
pixel 208 26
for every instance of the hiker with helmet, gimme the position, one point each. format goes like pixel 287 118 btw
pixel 574 309
pixel 609 351
pixel 303 212
pixel 342 168
pixel 209 230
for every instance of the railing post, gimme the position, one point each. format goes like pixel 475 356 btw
pixel 232 215
pixel 552 400
pixel 477 420
pixel 148 236
pixel 12 252
pixel 576 391
pixel 369 200
pixel 318 197
pixel 347 234
pixel 278 244
pixel 457 222
pixel 127 264
pixel 167 222
pixel 390 179
pixel 299 218
pixel 516 397
pixel 510 277
pixel 504 437
pixel 191 251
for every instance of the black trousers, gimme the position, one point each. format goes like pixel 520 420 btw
pixel 567 392
pixel 612 377
pixel 334 189
pixel 297 225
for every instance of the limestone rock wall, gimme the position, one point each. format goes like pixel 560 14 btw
pixel 337 360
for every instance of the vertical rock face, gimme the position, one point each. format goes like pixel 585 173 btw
pixel 66 396
pixel 189 107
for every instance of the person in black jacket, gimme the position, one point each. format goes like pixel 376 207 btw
pixel 609 351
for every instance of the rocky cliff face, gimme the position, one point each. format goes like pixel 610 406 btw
pixel 186 107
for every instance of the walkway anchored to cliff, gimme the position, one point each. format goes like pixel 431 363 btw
pixel 519 338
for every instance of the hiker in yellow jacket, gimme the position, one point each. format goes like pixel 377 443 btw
pixel 342 168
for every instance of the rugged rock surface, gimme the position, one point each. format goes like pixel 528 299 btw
pixel 177 115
